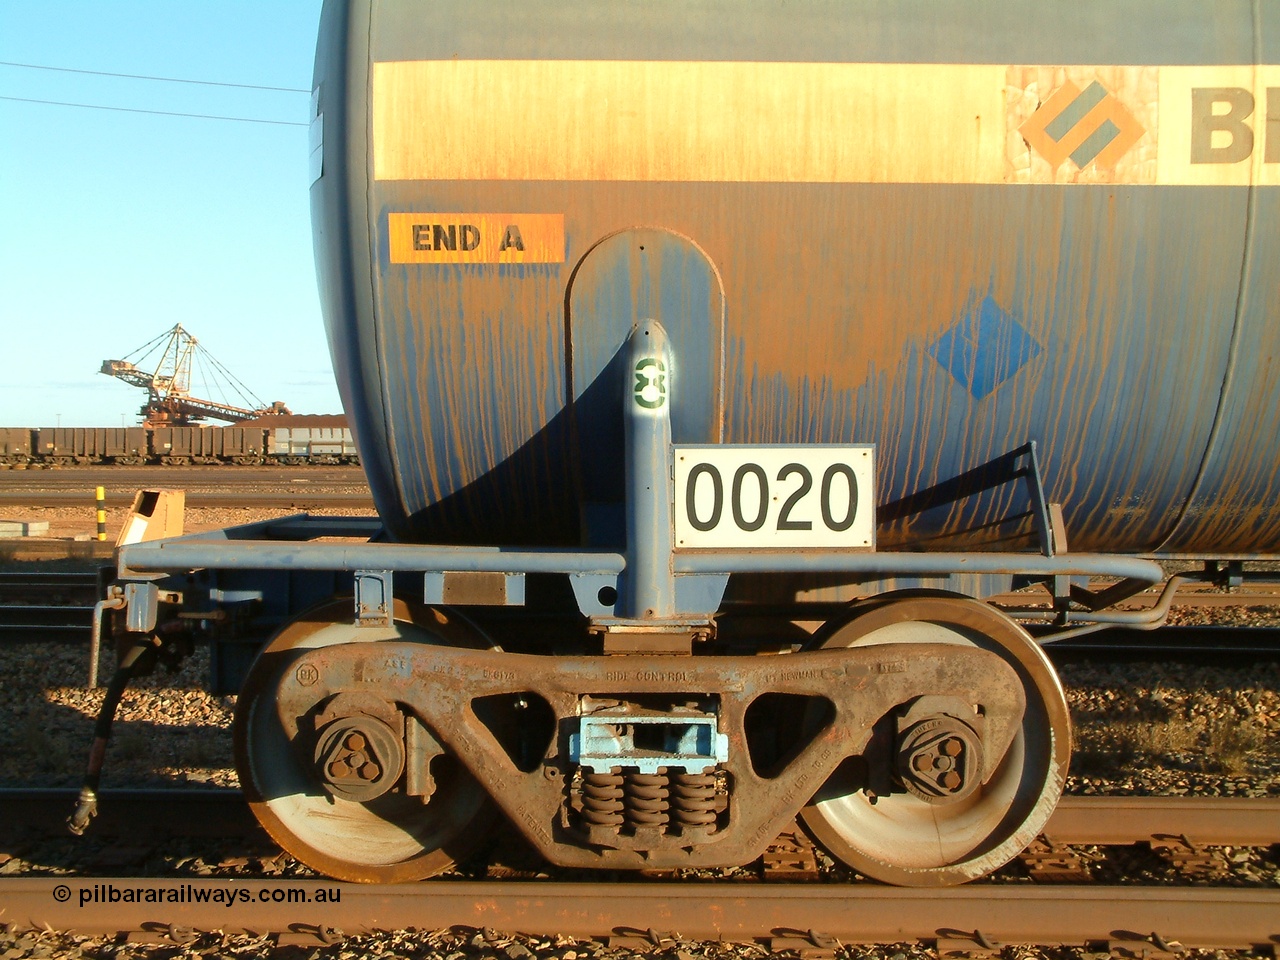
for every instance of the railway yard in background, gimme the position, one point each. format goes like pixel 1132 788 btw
pixel 64 499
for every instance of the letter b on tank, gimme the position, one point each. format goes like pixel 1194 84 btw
pixel 1234 140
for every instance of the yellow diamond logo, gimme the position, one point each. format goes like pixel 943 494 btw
pixel 1089 126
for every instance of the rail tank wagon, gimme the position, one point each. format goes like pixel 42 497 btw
pixel 674 335
pixel 944 233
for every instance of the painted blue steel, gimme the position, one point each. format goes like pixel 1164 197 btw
pixel 985 348
pixel 1035 489
pixel 628 278
pixel 1122 406
pixel 1124 328
pixel 373 597
pixel 142 602
pixel 868 31
pixel 920 564
pixel 647 589
pixel 689 742
pixel 193 553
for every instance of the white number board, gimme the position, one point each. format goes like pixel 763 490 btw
pixel 775 496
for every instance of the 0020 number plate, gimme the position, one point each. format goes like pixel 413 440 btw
pixel 775 497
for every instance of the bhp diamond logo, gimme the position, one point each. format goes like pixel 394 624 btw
pixel 1089 126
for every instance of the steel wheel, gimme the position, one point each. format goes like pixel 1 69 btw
pixel 392 839
pixel 905 840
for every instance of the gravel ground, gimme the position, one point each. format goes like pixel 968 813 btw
pixel 485 944
pixel 168 731
pixel 1156 729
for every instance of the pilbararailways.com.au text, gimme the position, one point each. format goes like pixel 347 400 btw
pixel 238 895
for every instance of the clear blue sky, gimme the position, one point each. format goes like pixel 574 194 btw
pixel 115 226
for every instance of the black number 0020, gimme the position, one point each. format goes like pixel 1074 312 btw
pixel 753 473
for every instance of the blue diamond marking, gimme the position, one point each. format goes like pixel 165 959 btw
pixel 986 348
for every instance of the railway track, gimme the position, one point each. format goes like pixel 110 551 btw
pixel 27 622
pixel 1080 821
pixel 267 500
pixel 1191 644
pixel 21 586
pixel 812 921
pixel 809 918
pixel 262 487
pixel 47 605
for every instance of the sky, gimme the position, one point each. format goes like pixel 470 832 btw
pixel 114 225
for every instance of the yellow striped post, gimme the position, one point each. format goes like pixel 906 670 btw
pixel 102 513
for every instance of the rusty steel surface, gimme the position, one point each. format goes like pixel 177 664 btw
pixel 1129 916
pixel 394 838
pixel 825 278
pixel 442 684
pixel 1204 820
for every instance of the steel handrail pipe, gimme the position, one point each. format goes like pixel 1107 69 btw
pixel 1149 618
pixel 190 553
pixel 116 602
pixel 917 564
pixel 228 554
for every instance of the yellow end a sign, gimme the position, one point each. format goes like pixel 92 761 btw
pixel 476 237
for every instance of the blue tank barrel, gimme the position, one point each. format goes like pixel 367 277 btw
pixel 944 231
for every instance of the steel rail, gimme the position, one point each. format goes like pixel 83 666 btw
pixel 49 623
pixel 1228 821
pixel 192 812
pixel 1199 642
pixel 48 579
pixel 1212 918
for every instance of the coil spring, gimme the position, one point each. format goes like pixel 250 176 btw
pixel 693 799
pixel 602 799
pixel 646 798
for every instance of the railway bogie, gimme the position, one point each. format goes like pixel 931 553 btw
pixel 707 375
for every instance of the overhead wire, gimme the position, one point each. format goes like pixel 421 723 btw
pixel 138 76
pixel 162 113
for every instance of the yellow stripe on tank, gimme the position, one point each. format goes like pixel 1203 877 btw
pixel 565 120
pixel 610 120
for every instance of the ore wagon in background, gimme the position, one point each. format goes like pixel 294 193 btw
pixel 292 440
